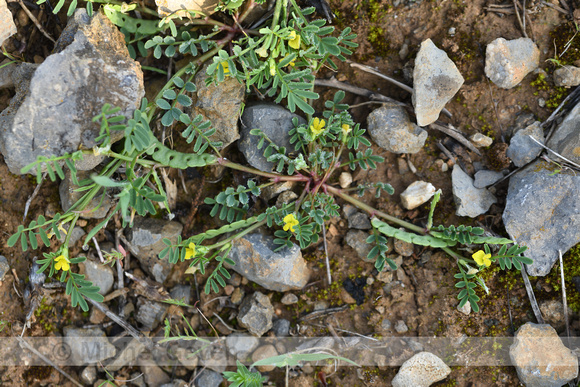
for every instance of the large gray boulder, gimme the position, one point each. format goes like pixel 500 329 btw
pixel 435 82
pixel 390 128
pixel 67 90
pixel 256 260
pixel 543 212
pixel 507 62
pixel 566 137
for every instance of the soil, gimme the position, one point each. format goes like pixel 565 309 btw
pixel 423 296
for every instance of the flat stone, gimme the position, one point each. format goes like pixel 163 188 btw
pixel 404 248
pixel 357 240
pixel 256 314
pixel 507 62
pixel 566 137
pixel 154 375
pixel 540 357
pixel 543 212
pixel 390 128
pixel 401 327
pixel 289 299
pixel 416 194
pixel 203 7
pixel 567 76
pixel 281 328
pixel 262 353
pixel 182 293
pixel 100 275
pixel 481 140
pixel 150 314
pixel 422 370
pixel 241 345
pixel 208 378
pixel 523 149
pixel 88 346
pixel 435 81
pixel 470 201
pixel 256 260
pixel 128 355
pixel 485 178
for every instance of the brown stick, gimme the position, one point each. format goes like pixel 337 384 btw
pixel 35 21
pixel 520 19
pixel 456 135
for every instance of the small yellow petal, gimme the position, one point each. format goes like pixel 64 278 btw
pixel 294 41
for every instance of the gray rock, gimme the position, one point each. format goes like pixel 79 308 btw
pixel 187 357
pixel 543 213
pixel 289 299
pixel 507 62
pixel 390 128
pixel 221 104
pixel 96 209
pixel 214 357
pixel 274 190
pixel 567 76
pixel 523 149
pixel 281 328
pixel 208 378
pixel 540 357
pixel 67 90
pixel 127 356
pixel 275 122
pixel 357 240
pixel 416 194
pixel 435 81
pixel 566 137
pixel 100 275
pixel 88 346
pixel 359 221
pixel 176 383
pixel 150 314
pixel 240 345
pixel 146 239
pixel 182 293
pixel 4 267
pixel 401 327
pixel 422 370
pixel 481 140
pixel 256 314
pixel 404 248
pixel 470 201
pixel 485 178
pixel 89 375
pixel 256 260
pixel 154 375
pixel 88 162
pixel 285 198
pixel 386 324
pixel 77 234
pixel 265 352
pixel 553 313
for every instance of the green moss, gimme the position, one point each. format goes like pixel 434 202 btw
pixel 571 262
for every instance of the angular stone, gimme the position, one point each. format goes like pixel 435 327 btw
pixel 146 238
pixel 150 314
pixel 128 355
pixel 481 140
pixel 240 345
pixel 256 314
pixel 435 81
pixel 201 7
pixel 567 76
pixel 208 378
pixel 416 194
pixel 7 26
pixel 100 275
pixel 88 346
pixel 67 90
pixel 485 178
pixel 507 62
pixel 422 370
pixel 523 149
pixel 390 128
pixel 540 357
pixel 470 201
pixel 256 260
pixel 543 212
pixel 566 137
pixel 357 240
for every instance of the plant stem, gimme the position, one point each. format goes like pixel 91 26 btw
pixel 274 176
pixel 239 235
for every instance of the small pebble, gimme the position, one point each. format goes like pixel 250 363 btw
pixel 237 296
pixel 466 309
pixel 386 324
pixel 541 102
pixel 289 299
pixel 481 141
pixel 401 327
pixel 345 180
pixel 229 289
pixel 23 18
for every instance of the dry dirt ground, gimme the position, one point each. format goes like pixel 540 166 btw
pixel 424 297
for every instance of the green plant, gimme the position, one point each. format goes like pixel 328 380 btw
pixel 281 60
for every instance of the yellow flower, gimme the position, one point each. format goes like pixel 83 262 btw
pixel 290 221
pixel 62 263
pixel 346 129
pixel 481 258
pixel 226 67
pixel 294 40
pixel 317 127
pixel 190 251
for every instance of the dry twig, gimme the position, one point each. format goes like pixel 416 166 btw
pixel 454 133
pixel 376 97
pixel 31 198
pixel 35 21
pixel 564 300
pixel 532 296
pixel 522 26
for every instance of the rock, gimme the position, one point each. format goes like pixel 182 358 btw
pixel 256 314
pixel 542 213
pixel 470 201
pixel 262 353
pixel 401 327
pixel 77 234
pixel 187 358
pixel 256 260
pixel 566 137
pixel 320 305
pixel 221 104
pixel 346 297
pixel 240 345
pixel 567 76
pixel 88 346
pixel 208 378
pixel 386 324
pixel 345 180
pixel 465 309
pixel 7 26
pixel 100 275
pixel 96 209
pixel 553 312
pixel 237 296
pixel 289 299
pixel 385 276
pixel 214 357
pixel 67 90
pixel 359 221
pixel 390 128
pixel 357 240
pixel 4 267
pixel 523 149
pixel 274 190
pixel 146 242
pixel 416 194
pixel 275 122
pixel 202 7
pixel 150 314
pixel 176 383
pixel 485 178
pixel 540 357
pixel 181 292
pixel 128 355
pixel 285 198
pixel 507 62
pixel 422 370
pixel 481 140
pixel 404 248
pixel 435 81
pixel 154 375
pixel 89 375
pixel 281 328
